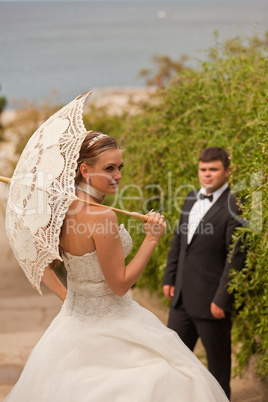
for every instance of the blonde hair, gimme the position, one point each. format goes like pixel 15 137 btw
pixel 90 154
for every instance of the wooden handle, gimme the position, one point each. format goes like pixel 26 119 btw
pixel 132 214
pixel 121 211
pixel 5 179
pixel 140 216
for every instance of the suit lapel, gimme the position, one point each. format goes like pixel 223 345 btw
pixel 217 206
pixel 188 206
pixel 186 210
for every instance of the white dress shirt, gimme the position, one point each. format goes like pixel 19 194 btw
pixel 200 208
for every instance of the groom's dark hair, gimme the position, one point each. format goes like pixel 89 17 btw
pixel 215 154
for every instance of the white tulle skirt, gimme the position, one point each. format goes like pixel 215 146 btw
pixel 132 357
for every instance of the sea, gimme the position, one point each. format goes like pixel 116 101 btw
pixel 69 47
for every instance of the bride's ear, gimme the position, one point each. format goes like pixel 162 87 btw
pixel 84 169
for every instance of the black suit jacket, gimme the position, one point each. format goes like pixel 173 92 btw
pixel 200 270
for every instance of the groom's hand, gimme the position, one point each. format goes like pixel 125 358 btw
pixel 216 311
pixel 168 291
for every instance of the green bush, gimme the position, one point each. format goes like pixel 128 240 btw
pixel 223 102
pixel 3 103
pixel 250 285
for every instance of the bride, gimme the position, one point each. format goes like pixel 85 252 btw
pixel 103 346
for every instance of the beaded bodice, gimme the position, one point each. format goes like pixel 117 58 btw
pixel 88 293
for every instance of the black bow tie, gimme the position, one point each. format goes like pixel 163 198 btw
pixel 209 197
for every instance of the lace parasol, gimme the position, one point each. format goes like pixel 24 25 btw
pixel 42 189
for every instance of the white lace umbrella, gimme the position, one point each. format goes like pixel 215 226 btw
pixel 42 189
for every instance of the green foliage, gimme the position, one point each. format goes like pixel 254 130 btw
pixel 99 119
pixel 3 103
pixel 223 103
pixel 250 284
pixel 166 68
pixel 28 118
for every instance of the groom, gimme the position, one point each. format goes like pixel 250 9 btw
pixel 197 272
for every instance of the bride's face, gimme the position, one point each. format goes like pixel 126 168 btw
pixel 106 174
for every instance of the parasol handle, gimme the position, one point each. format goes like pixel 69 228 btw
pixel 132 214
pixel 5 179
pixel 139 216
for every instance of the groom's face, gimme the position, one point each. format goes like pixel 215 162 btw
pixel 212 175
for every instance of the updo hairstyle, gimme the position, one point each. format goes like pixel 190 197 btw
pixel 90 154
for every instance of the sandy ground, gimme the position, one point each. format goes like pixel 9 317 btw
pixel 24 314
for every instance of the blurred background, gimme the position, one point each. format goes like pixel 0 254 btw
pixel 168 79
pixel 70 47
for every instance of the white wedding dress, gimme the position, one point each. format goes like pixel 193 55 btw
pixel 106 348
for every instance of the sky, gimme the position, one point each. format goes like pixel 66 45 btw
pixel 128 1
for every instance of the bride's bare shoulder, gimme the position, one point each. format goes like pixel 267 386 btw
pixel 97 214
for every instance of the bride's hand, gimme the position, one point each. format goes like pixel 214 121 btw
pixel 155 226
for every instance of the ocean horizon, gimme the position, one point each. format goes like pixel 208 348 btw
pixel 71 47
